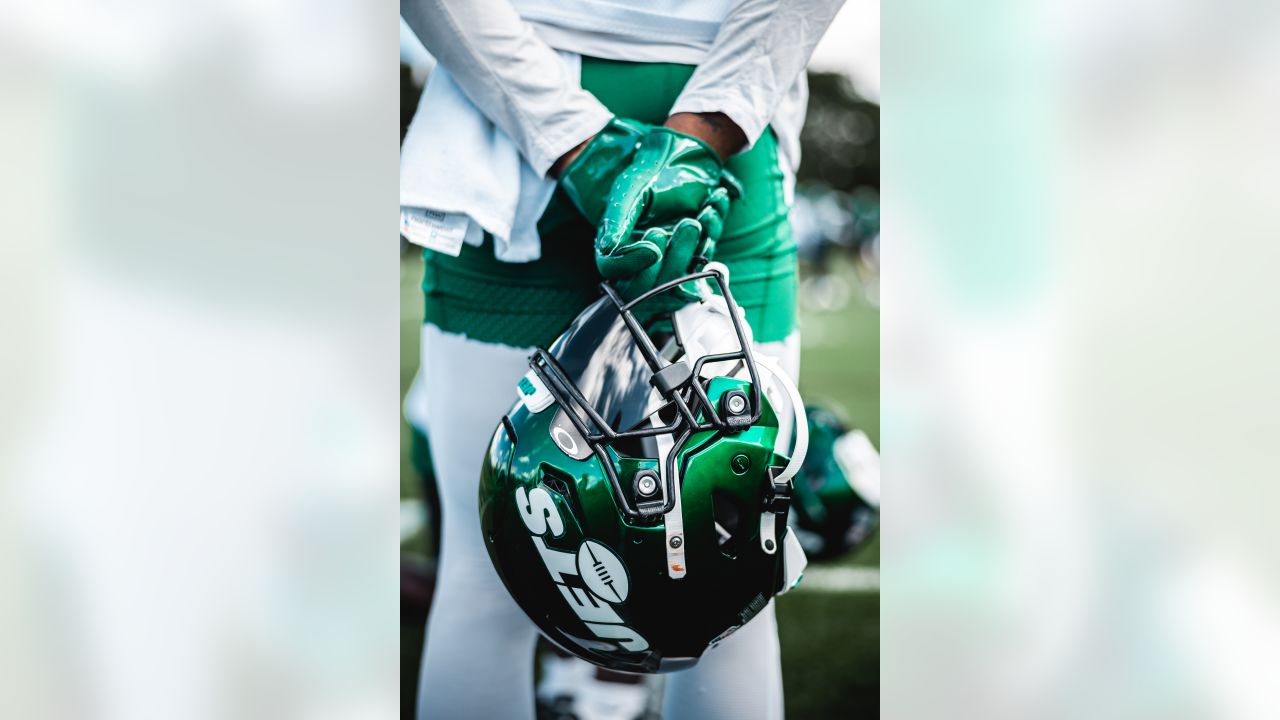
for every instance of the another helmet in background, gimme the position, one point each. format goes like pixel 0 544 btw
pixel 836 503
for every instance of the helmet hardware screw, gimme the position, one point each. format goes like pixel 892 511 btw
pixel 768 545
pixel 736 409
pixel 646 483
pixel 740 463
pixel 676 542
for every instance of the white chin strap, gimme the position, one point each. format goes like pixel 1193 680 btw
pixel 768 520
pixel 801 446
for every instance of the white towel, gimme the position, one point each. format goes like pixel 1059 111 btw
pixel 456 164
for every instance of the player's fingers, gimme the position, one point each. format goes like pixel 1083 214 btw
pixel 626 203
pixel 682 248
pixel 719 201
pixel 643 276
pixel 642 251
pixel 712 222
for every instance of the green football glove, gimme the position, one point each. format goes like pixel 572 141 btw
pixel 671 178
pixel 589 178
pixel 678 248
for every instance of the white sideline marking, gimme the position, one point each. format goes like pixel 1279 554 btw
pixel 840 580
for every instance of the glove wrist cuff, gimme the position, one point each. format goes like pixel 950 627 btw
pixel 683 136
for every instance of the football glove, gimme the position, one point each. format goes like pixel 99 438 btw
pixel 672 177
pixel 677 249
pixel 588 179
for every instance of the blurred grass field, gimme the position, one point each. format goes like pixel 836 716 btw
pixel 829 627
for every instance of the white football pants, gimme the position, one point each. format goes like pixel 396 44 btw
pixel 478 661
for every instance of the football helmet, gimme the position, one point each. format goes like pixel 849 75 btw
pixel 634 500
pixel 836 502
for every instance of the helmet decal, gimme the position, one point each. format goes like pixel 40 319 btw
pixel 567 437
pixel 564 440
pixel 594 564
pixel 538 510
pixel 533 394
pixel 602 571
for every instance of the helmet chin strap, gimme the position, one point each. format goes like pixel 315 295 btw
pixel 770 521
pixel 801 447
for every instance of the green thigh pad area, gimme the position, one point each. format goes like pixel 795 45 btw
pixel 526 304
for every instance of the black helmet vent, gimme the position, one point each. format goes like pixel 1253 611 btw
pixel 727 512
pixel 559 482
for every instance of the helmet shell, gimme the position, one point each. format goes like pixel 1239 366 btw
pixel 594 579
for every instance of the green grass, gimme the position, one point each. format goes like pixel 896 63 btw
pixel 830 641
pixel 840 360
pixel 830 654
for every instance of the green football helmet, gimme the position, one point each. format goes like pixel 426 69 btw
pixel 836 503
pixel 634 500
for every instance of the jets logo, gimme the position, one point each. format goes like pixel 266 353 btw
pixel 592 580
pixel 602 571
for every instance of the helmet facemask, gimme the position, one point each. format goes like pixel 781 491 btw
pixel 677 355
pixel 683 407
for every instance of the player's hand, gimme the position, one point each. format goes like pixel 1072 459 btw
pixel 673 177
pixel 678 248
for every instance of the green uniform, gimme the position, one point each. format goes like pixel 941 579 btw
pixel 527 304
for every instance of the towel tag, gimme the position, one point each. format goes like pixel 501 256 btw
pixel 434 230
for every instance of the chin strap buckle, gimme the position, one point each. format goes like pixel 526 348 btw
pixel 778 500
pixel 777 503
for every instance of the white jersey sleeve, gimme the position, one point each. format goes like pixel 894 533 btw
pixel 510 74
pixel 760 50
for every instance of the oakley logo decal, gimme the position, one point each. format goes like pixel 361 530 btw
pixel 565 441
pixel 595 566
